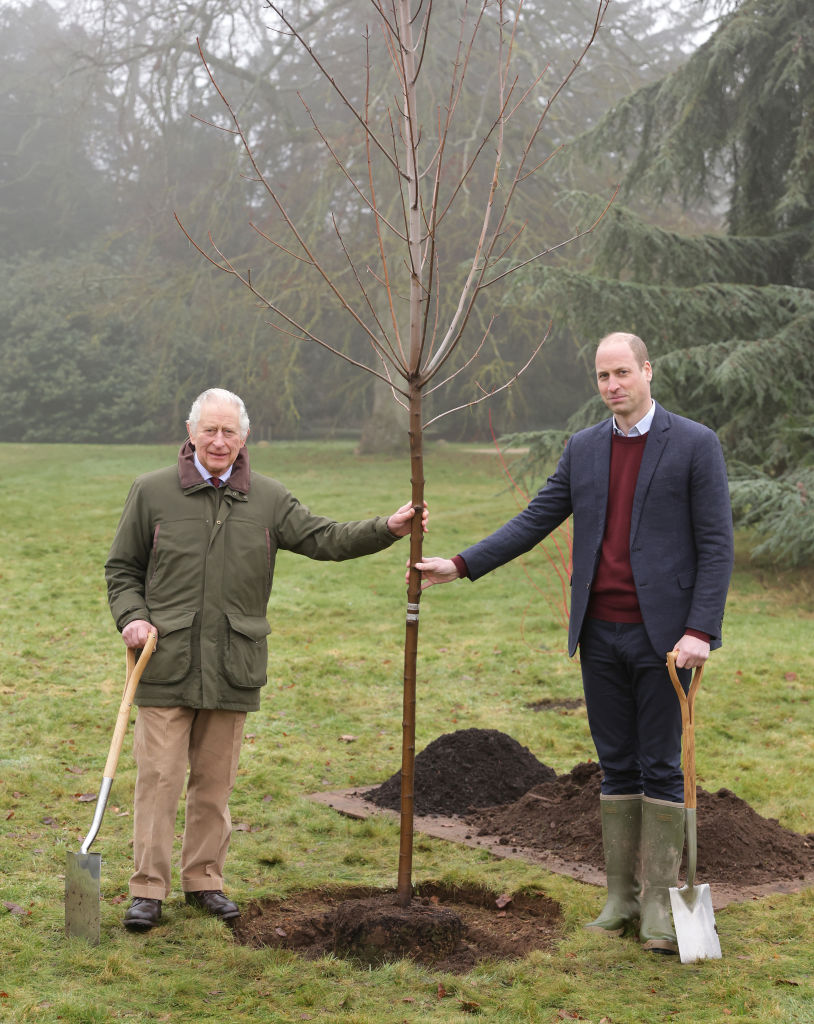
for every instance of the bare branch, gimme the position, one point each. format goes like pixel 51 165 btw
pixel 432 222
pixel 393 390
pixel 470 360
pixel 378 347
pixel 478 265
pixel 332 81
pixel 211 124
pixel 376 212
pixel 543 162
pixel 227 267
pixel 301 333
pixel 340 164
pixel 279 245
pixel 315 262
pixel 484 250
pixel 495 391
pixel 553 248
pixel 520 173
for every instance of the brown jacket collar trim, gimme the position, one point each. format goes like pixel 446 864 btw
pixel 188 475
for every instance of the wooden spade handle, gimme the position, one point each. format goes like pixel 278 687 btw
pixel 134 672
pixel 687 702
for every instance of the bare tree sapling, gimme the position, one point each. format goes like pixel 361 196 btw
pixel 413 171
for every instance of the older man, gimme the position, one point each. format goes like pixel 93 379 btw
pixel 193 559
pixel 652 558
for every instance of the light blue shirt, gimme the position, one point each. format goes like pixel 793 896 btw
pixel 641 427
pixel 205 472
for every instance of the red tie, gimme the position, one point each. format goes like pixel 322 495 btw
pixel 215 481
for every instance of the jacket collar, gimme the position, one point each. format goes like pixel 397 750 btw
pixel 189 477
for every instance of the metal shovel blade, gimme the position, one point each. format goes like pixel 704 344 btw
pixel 694 921
pixel 83 872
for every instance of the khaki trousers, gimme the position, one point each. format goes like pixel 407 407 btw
pixel 165 741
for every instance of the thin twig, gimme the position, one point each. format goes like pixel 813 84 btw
pixel 370 204
pixel 227 267
pixel 495 391
pixel 332 81
pixel 554 248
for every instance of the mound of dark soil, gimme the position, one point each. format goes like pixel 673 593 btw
pixel 318 922
pixel 465 770
pixel 561 815
pixel 735 844
pixel 500 788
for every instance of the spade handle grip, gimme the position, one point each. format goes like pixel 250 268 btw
pixel 687 702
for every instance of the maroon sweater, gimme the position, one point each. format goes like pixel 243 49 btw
pixel 613 594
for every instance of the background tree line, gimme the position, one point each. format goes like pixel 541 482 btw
pixel 109 322
pixel 107 308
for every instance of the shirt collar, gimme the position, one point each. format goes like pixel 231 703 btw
pixel 223 477
pixel 642 426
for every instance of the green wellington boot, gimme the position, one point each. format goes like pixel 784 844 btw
pixel 662 846
pixel 621 834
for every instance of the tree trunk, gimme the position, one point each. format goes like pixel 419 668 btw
pixel 417 299
pixel 405 887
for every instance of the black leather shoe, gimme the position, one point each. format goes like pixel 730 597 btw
pixel 142 914
pixel 213 902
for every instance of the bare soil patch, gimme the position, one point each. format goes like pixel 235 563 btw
pixel 368 926
pixel 736 846
pixel 561 704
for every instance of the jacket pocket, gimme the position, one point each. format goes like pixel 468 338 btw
pixel 172 658
pixel 245 654
pixel 686 580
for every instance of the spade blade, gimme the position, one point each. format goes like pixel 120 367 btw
pixel 83 872
pixel 694 921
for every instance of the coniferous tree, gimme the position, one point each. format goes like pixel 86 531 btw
pixel 727 309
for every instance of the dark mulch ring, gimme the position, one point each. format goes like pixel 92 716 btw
pixel 448 928
pixel 498 788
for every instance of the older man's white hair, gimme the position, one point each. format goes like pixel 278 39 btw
pixel 219 394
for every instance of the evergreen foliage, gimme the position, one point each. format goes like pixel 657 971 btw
pixel 732 124
pixel 728 315
pixel 779 507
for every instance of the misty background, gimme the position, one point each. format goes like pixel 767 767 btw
pixel 110 322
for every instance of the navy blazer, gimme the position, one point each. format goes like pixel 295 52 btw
pixel 681 545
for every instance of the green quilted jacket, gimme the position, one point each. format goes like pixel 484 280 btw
pixel 198 563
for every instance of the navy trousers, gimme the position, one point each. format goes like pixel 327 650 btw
pixel 633 712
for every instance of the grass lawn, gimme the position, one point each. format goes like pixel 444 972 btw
pixel 486 651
